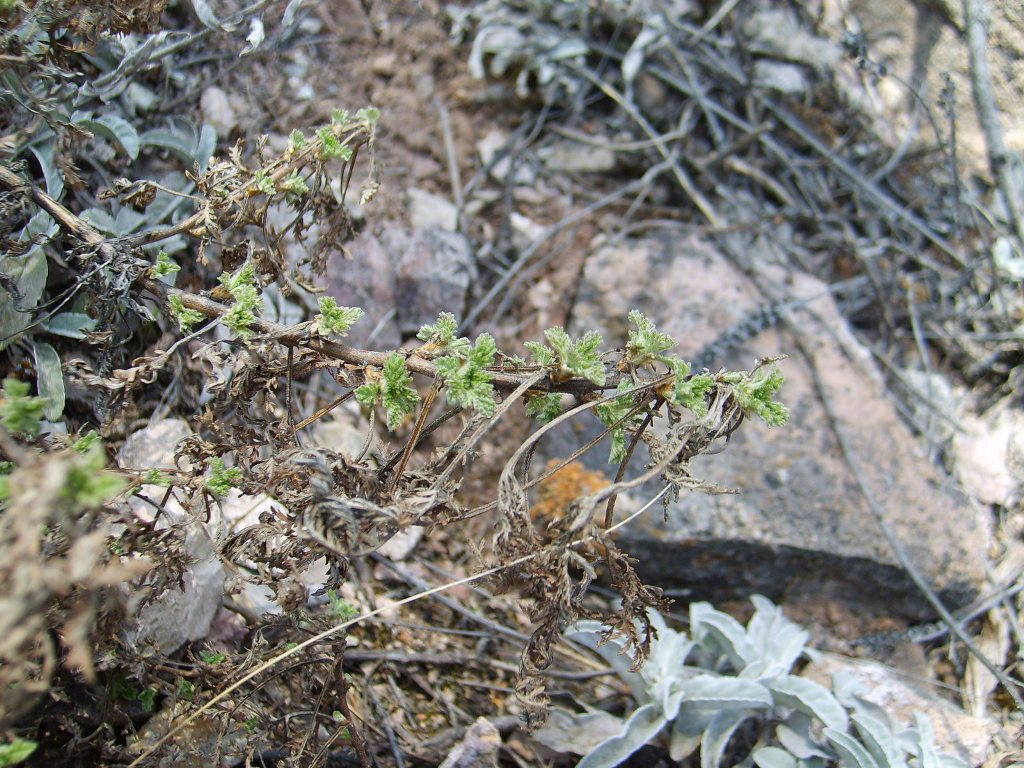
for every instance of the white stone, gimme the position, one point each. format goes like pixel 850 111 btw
pixel 217 110
pixel 429 210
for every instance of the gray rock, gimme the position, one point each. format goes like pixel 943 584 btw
pixel 781 76
pixel 217 110
pixel 429 210
pixel 488 148
pixel 478 749
pixel 365 278
pixel 778 33
pixel 434 274
pixel 989 455
pixel 574 157
pixel 800 526
pixel 182 615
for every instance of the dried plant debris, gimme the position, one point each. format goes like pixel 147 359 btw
pixel 150 269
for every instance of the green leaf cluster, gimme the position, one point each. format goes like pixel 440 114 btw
pixel 222 479
pixel 691 391
pixel 184 316
pixel 443 336
pixel 466 379
pixel 614 412
pixel 335 319
pixel 331 147
pixel 754 393
pixel 294 186
pixel 568 358
pixel 647 345
pixel 264 183
pixel 20 413
pixel 296 141
pixel 242 287
pixel 16 751
pixel 89 483
pixel 546 407
pixel 392 388
pixel 164 266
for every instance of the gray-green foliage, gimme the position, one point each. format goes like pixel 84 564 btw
pixel 698 689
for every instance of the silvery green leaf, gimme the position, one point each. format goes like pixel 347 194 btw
pixel 634 58
pixel 878 738
pixel 687 730
pixel 205 147
pixel 577 733
pixel 116 129
pixel 290 13
pixel 796 733
pixel 727 633
pixel 639 728
pixel 28 273
pixel 255 37
pixel 49 379
pixel 927 753
pixel 851 752
pixel 101 220
pixel 51 173
pixel 811 698
pixel 40 224
pixel 773 757
pixel 110 84
pixel 173 141
pixel 128 220
pixel 206 15
pixel 778 640
pixel 492 39
pixel 668 653
pixel 569 49
pixel 72 325
pixel 726 692
pixel 587 632
pixel 717 735
pixel 948 761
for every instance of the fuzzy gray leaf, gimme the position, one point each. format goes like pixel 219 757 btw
pixel 773 757
pixel 116 129
pixel 49 379
pixel 811 698
pixel 717 735
pixel 851 752
pixel 722 629
pixel 726 692
pixel 638 729
pixel 879 741
pixel 71 325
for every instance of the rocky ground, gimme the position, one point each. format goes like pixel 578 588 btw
pixel 781 185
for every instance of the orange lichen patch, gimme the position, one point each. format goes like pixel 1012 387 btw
pixel 566 485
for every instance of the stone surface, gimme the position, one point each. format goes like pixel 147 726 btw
pixel 575 157
pixel 478 748
pixel 989 455
pixel 800 526
pixel 433 275
pixel 364 278
pixel 429 210
pixel 780 76
pixel 956 733
pixel 921 43
pixel 182 615
pixel 218 111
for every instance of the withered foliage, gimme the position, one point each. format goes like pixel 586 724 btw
pixel 62 578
